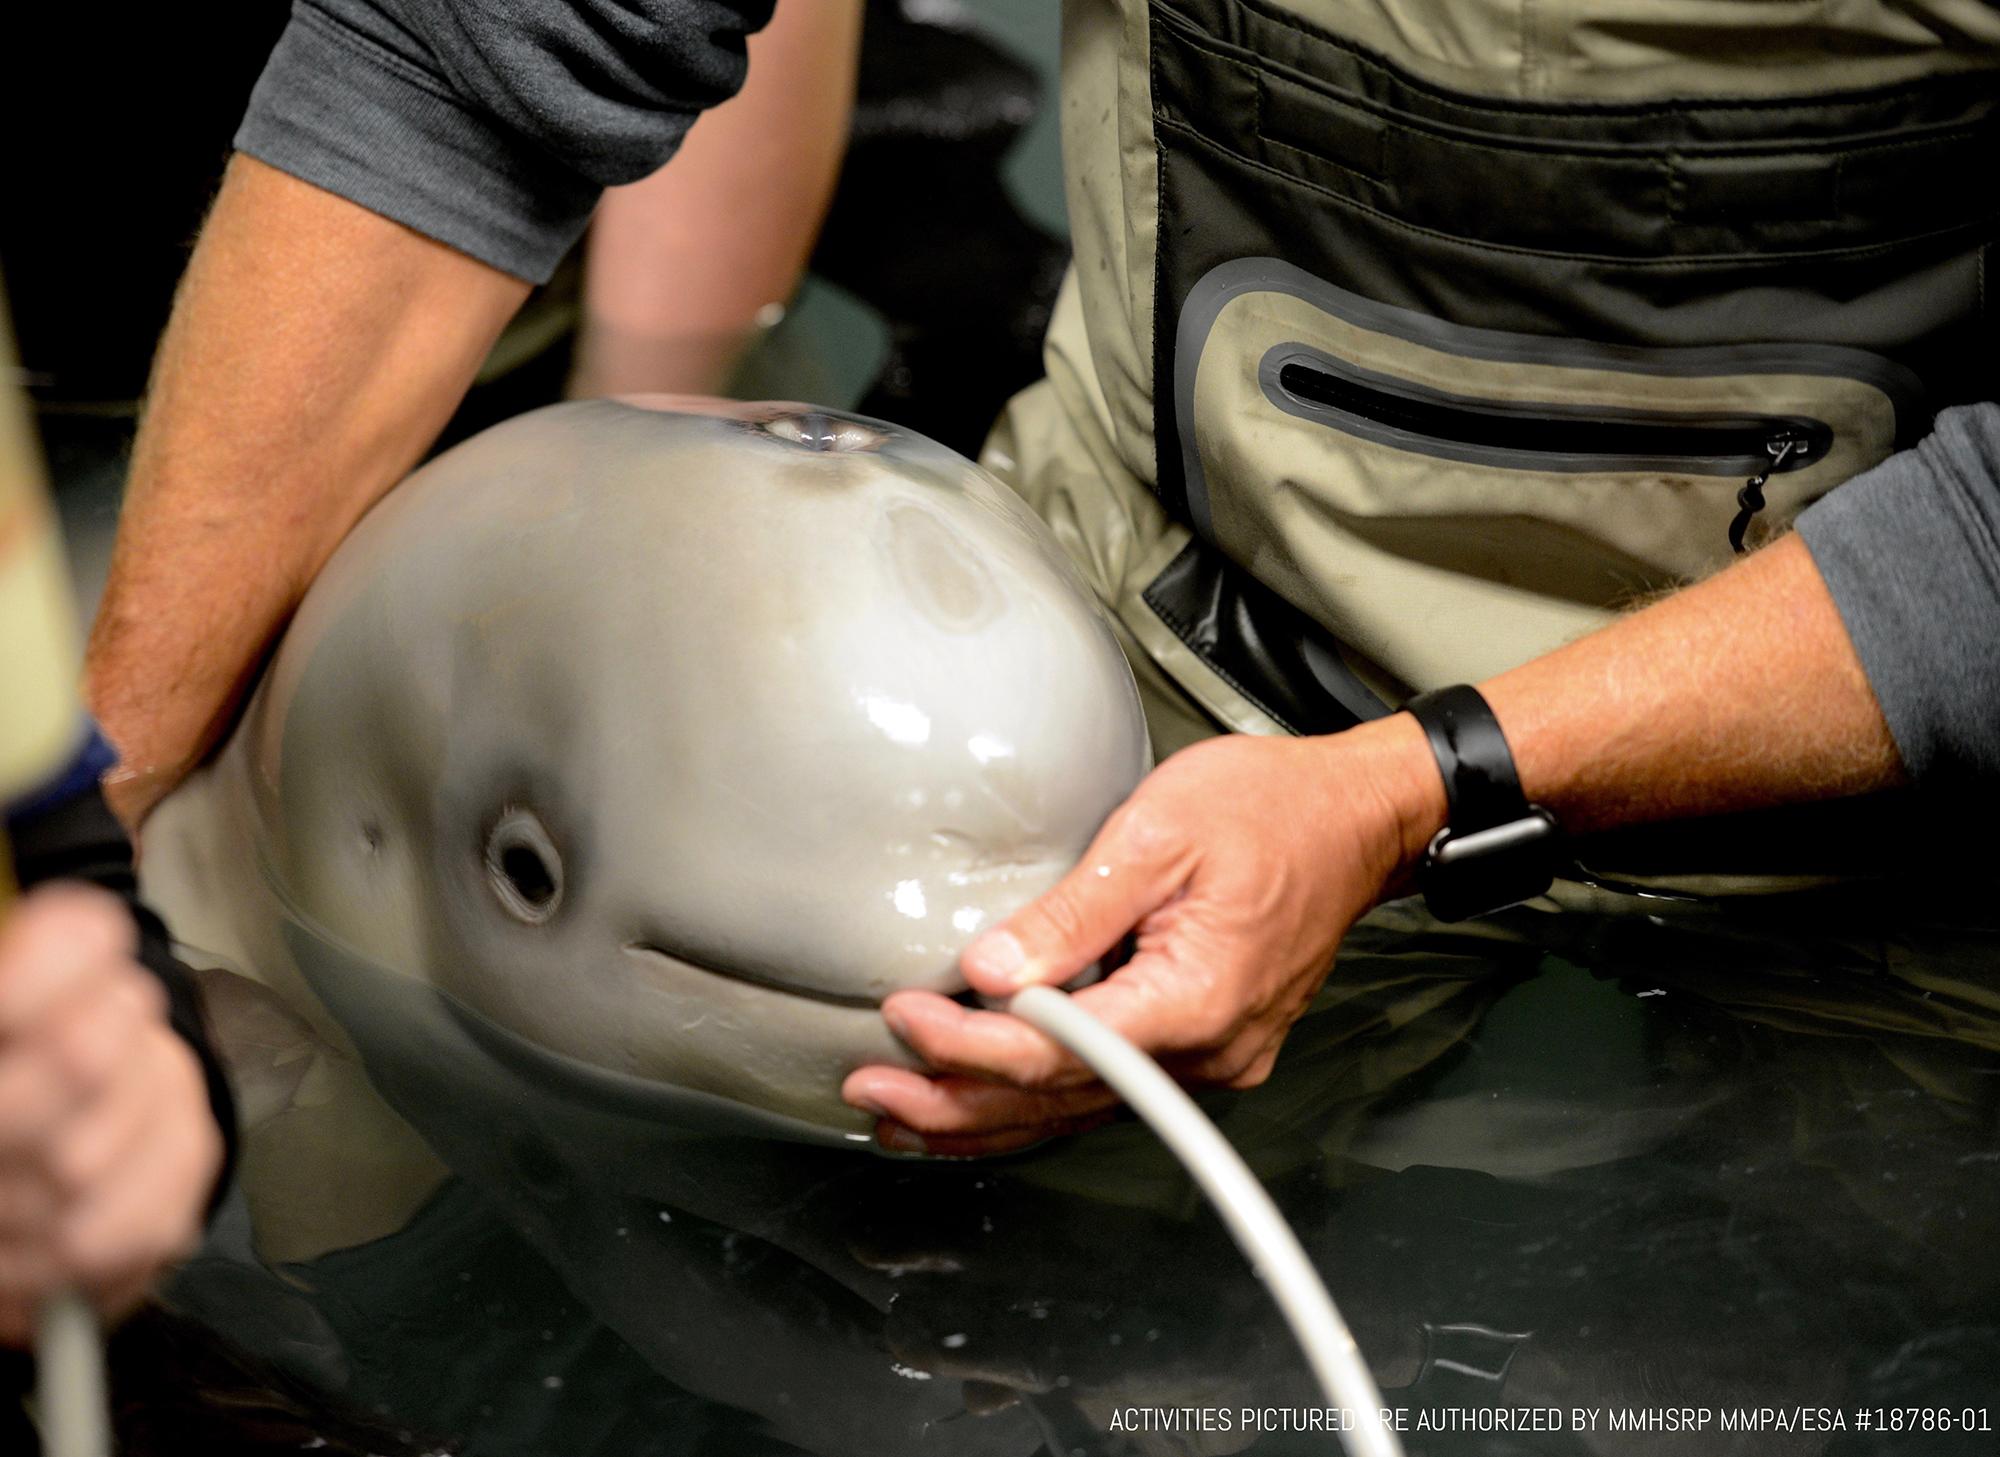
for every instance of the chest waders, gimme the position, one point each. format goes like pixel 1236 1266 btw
pixel 1408 340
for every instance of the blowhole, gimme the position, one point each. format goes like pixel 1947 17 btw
pixel 821 432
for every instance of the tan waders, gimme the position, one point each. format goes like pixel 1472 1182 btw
pixel 1407 340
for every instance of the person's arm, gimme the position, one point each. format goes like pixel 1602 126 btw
pixel 315 350
pixel 679 267
pixel 1740 693
pixel 1240 862
pixel 404 166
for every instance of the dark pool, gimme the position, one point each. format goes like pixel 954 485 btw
pixel 1627 1170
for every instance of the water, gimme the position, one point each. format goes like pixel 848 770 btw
pixel 1555 1163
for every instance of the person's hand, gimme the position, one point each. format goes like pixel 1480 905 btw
pixel 132 794
pixel 108 1145
pixel 1237 865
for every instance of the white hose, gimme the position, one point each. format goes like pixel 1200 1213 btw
pixel 72 1401
pixel 1259 1230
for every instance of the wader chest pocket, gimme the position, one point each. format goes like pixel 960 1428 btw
pixel 1538 435
pixel 1451 500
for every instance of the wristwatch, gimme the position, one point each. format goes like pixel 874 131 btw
pixel 1496 848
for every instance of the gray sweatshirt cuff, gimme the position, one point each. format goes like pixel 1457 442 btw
pixel 1911 552
pixel 340 111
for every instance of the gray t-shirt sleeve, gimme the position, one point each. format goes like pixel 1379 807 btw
pixel 492 127
pixel 1911 553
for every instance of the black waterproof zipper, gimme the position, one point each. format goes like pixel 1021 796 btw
pixel 1563 437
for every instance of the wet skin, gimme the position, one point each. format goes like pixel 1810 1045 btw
pixel 671 737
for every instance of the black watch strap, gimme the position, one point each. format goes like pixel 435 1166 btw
pixel 1496 848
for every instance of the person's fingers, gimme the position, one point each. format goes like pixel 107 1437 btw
pixel 955 1039
pixel 72 1053
pixel 131 794
pixel 961 1115
pixel 104 1136
pixel 1155 1004
pixel 901 1139
pixel 29 1274
pixel 952 1106
pixel 1258 1070
pixel 59 934
pixel 1243 1062
pixel 1164 1006
pixel 33 1099
pixel 1136 864
pixel 28 1202
pixel 113 1192
pixel 131 1226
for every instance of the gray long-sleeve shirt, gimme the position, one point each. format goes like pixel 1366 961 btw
pixel 493 127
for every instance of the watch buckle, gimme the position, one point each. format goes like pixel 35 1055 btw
pixel 1536 826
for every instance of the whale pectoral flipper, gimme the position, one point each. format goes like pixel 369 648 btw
pixel 310 1121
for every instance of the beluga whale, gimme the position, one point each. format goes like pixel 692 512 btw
pixel 650 742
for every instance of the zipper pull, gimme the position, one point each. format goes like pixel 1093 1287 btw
pixel 1781 448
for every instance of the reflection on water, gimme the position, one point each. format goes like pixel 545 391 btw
pixel 1553 1161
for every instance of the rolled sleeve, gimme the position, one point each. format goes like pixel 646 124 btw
pixel 492 129
pixel 1911 553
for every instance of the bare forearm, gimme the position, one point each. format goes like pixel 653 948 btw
pixel 314 352
pixel 1237 865
pixel 681 264
pixel 1741 692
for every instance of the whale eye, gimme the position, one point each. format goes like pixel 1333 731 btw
pixel 523 868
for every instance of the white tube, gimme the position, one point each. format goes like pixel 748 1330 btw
pixel 73 1404
pixel 1259 1230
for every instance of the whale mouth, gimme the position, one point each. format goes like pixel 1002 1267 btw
pixel 749 978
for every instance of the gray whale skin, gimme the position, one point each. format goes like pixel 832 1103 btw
pixel 657 740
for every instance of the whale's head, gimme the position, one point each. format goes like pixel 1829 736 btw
pixel 670 737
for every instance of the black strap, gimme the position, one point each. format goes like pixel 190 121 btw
pixel 1481 787
pixel 1496 849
